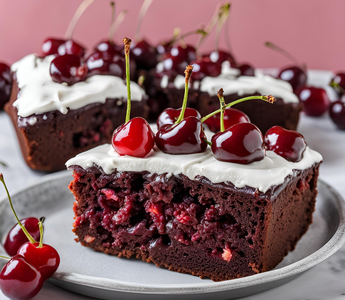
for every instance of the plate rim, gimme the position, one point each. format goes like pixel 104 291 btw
pixel 298 267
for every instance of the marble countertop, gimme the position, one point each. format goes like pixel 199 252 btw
pixel 325 281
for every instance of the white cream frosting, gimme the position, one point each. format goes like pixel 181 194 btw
pixel 270 171
pixel 242 85
pixel 39 93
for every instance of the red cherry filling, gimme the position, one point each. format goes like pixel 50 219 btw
pixel 144 55
pixel 241 143
pixel 45 259
pixel 286 143
pixel 185 137
pixel 134 138
pixel 50 46
pixel 105 63
pixel 68 68
pixel 170 115
pixel 315 100
pixel 232 116
pixel 71 47
pixel 5 84
pixel 20 280
pixel 295 76
pixel 205 67
pixel 337 113
pixel 16 237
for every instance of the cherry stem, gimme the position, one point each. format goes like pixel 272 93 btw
pixel 141 80
pixel 142 14
pixel 226 34
pixel 188 73
pixel 223 15
pixel 3 164
pixel 119 19
pixel 80 10
pixel 127 43
pixel 222 104
pixel 40 226
pixel 335 85
pixel 269 99
pixel 28 235
pixel 286 54
pixel 110 33
pixel 5 257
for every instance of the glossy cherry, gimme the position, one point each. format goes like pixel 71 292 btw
pixel 45 259
pixel 184 53
pixel 19 280
pixel 5 84
pixel 185 137
pixel 16 237
pixel 315 100
pixel 68 68
pixel 170 115
pixel 220 56
pixel 144 55
pixel 106 63
pixel 205 67
pixel 171 65
pixel 108 47
pixel 339 80
pixel 246 70
pixel 50 46
pixel 134 138
pixel 241 143
pixel 337 113
pixel 295 76
pixel 286 143
pixel 71 47
pixel 232 116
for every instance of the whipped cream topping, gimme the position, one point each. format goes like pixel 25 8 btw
pixel 242 85
pixel 263 174
pixel 39 93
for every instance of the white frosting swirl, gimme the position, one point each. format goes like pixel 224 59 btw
pixel 39 93
pixel 242 85
pixel 270 171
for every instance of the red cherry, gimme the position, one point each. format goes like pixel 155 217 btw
pixel 5 84
pixel 170 115
pixel 134 138
pixel 19 280
pixel 50 46
pixel 172 66
pixel 16 237
pixel 232 116
pixel 339 79
pixel 186 137
pixel 241 143
pixel 337 113
pixel 163 47
pixel 220 56
pixel 105 63
pixel 205 67
pixel 315 100
pixel 295 76
pixel 45 259
pixel 286 143
pixel 246 70
pixel 68 68
pixel 71 47
pixel 144 55
pixel 186 53
pixel 108 47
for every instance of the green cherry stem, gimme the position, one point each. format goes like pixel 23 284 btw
pixel 188 73
pixel 144 7
pixel 40 226
pixel 224 13
pixel 127 43
pixel 3 164
pixel 110 32
pixel 5 257
pixel 222 104
pixel 337 86
pixel 269 99
pixel 28 235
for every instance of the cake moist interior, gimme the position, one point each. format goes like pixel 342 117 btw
pixel 192 226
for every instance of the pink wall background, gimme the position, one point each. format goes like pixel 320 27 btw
pixel 312 30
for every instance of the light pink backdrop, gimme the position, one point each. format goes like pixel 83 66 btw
pixel 312 30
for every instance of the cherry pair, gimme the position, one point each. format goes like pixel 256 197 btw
pixel 33 262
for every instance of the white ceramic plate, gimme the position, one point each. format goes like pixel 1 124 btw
pixel 98 275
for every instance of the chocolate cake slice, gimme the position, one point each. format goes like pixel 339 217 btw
pixel 192 213
pixel 167 91
pixel 54 122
